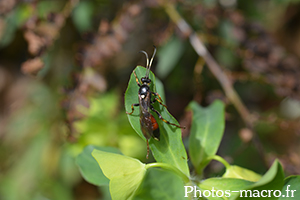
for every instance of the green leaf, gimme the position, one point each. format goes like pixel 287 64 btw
pixel 105 192
pixel 170 148
pixel 206 132
pixel 83 15
pixel 238 172
pixel 272 180
pixel 160 184
pixel 125 173
pixel 168 56
pixel 227 185
pixel 47 6
pixel 89 167
pixel 290 183
pixel 14 19
pixel 273 177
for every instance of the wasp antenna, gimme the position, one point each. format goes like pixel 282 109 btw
pixel 147 58
pixel 147 75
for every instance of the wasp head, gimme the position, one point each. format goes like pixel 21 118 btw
pixel 146 80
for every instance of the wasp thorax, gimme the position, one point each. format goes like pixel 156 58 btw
pixel 144 90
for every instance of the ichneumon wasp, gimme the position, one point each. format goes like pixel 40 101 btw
pixel 148 123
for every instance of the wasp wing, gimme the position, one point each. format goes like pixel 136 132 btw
pixel 146 124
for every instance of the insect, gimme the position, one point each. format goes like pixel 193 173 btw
pixel 148 123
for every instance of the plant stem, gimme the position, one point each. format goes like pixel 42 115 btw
pixel 220 159
pixel 169 167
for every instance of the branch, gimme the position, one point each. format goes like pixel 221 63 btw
pixel 216 70
pixel 211 63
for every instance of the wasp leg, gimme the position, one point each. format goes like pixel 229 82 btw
pixel 136 79
pixel 156 99
pixel 156 94
pixel 132 108
pixel 160 117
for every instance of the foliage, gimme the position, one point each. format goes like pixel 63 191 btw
pixel 129 180
pixel 228 70
pixel 206 133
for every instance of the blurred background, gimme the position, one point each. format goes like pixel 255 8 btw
pixel 65 65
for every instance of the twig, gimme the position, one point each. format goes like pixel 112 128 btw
pixel 216 70
pixel 211 63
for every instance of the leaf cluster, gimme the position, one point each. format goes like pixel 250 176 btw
pixel 129 178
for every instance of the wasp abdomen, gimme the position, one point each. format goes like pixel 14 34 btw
pixel 156 133
pixel 154 123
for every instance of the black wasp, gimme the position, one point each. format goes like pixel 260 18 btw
pixel 148 123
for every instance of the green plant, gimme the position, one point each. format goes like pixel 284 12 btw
pixel 169 177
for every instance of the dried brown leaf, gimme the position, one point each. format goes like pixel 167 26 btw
pixel 32 66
